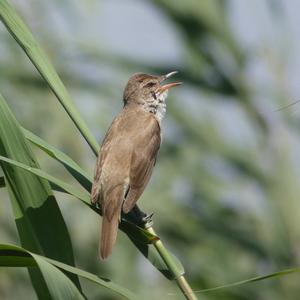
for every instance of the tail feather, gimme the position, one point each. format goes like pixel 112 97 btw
pixel 108 235
pixel 111 208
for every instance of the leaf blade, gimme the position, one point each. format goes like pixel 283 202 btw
pixel 251 280
pixel 13 256
pixel 35 209
pixel 75 170
pixel 25 39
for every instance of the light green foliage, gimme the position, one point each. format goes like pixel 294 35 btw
pixel 59 285
pixel 36 212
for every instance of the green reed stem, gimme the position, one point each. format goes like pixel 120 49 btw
pixel 24 38
pixel 168 259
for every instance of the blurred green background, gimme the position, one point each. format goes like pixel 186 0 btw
pixel 225 188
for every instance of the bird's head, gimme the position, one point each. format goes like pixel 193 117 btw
pixel 143 88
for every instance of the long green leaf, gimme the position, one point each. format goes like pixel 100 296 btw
pixel 36 212
pixel 24 38
pixel 59 285
pixel 76 171
pixel 141 238
pixel 82 195
pixel 251 280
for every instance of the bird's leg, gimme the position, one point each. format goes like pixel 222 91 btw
pixel 144 217
pixel 140 218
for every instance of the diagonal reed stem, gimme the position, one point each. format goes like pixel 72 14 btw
pixel 35 53
pixel 178 275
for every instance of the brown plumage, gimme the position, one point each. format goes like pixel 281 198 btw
pixel 128 153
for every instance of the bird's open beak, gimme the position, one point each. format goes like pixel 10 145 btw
pixel 170 74
pixel 167 86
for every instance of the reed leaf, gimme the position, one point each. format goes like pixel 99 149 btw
pixel 36 212
pixel 59 285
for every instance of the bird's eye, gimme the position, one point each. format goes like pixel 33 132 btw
pixel 149 84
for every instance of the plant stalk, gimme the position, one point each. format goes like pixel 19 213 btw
pixel 179 277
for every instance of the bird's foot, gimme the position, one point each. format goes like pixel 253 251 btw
pixel 147 220
pixel 140 218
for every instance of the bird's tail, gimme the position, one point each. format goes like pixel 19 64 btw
pixel 110 220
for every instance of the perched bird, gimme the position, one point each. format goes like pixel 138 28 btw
pixel 128 153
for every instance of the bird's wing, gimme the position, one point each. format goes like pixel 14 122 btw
pixel 110 181
pixel 107 144
pixel 95 193
pixel 145 148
